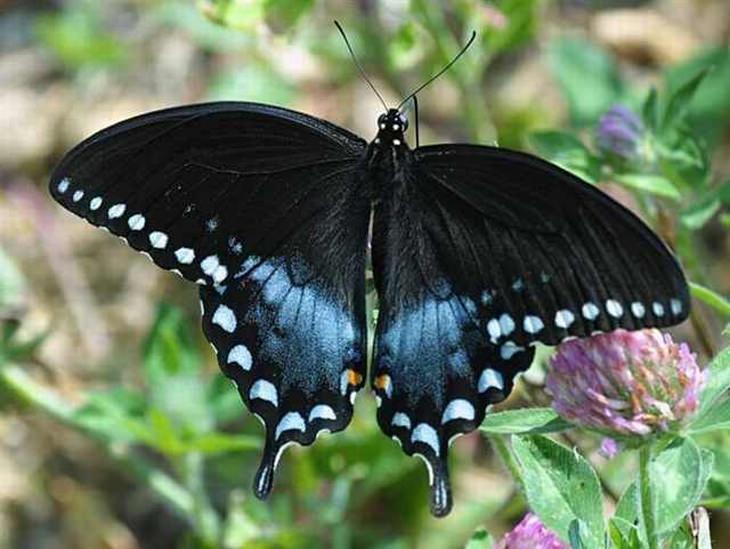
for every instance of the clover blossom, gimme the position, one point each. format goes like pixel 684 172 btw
pixel 625 384
pixel 530 533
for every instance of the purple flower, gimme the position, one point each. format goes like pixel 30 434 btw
pixel 620 132
pixel 530 533
pixel 625 384
pixel 609 448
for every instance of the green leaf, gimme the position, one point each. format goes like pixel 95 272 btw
pixel 623 534
pixel 567 151
pixel 76 37
pixel 561 487
pixel 678 477
pixel 574 534
pixel 481 539
pixel 650 109
pixel 588 77
pixel 680 99
pixel 714 396
pixel 234 14
pixel 217 443
pixel 12 286
pixel 711 298
pixel 709 109
pixel 650 183
pixel 287 12
pixel 696 215
pixel 524 421
pixel 521 17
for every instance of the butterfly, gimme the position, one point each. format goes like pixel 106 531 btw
pixel 478 253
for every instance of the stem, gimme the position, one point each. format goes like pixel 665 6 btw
pixel 207 523
pixel 21 386
pixel 645 496
pixel 474 111
pixel 499 442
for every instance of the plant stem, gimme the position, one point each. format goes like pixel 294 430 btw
pixel 27 391
pixel 475 113
pixel 499 442
pixel 207 523
pixel 645 496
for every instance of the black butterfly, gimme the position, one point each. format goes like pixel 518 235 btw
pixel 478 253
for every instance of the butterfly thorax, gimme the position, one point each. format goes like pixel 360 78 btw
pixel 388 156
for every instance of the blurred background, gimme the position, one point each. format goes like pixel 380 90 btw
pixel 116 429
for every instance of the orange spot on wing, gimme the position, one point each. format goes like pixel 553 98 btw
pixel 382 382
pixel 353 377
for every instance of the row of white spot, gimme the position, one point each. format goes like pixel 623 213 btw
pixel 159 240
pixel 265 390
pixel 459 408
pixel 505 325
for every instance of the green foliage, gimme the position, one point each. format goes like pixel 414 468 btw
pixel 588 78
pixel 480 540
pixel 524 421
pixel 78 38
pixel 561 487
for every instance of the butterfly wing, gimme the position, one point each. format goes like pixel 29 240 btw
pixel 479 253
pixel 264 208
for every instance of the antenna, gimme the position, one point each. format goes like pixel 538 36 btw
pixel 359 66
pixel 439 73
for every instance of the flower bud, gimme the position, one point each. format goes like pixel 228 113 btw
pixel 620 132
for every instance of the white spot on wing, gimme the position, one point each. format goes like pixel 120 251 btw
pixel 637 309
pixel 401 420
pixel 322 411
pixel 564 318
pixel 224 318
pixel 458 408
pixel 95 203
pixel 343 382
pixel 136 222
pixel 509 349
pixel 292 421
pixel 185 255
pixel 490 379
pixel 116 211
pixel 507 324
pixel 210 264
pixel 532 324
pixel 427 435
pixel 240 355
pixel 78 195
pixel 676 306
pixel 614 308
pixel 658 308
pixel 158 240
pixel 63 185
pixel 264 390
pixel 220 274
pixel 494 330
pixel 590 311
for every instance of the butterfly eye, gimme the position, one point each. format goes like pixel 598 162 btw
pixel 404 120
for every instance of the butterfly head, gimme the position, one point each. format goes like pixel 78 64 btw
pixel 391 128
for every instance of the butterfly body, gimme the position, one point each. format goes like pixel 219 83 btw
pixel 478 253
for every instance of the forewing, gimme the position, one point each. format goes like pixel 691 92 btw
pixel 265 209
pixel 559 256
pixel 470 277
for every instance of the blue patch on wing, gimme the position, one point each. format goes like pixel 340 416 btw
pixel 293 348
pixel 435 372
